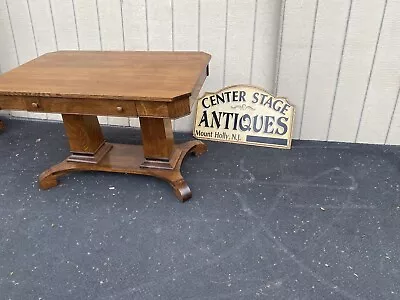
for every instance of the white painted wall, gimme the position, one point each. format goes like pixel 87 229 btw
pixel 337 61
pixel 340 66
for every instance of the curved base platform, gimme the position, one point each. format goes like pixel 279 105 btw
pixel 129 159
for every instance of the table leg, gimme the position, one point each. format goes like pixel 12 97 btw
pixel 86 140
pixel 157 138
pixel 160 152
pixel 158 157
pixel 158 143
pixel 87 146
pixel 1 125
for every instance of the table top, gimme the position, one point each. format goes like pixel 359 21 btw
pixel 122 75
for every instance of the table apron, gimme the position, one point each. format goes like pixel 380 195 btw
pixel 103 107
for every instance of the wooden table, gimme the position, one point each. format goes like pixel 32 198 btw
pixel 154 86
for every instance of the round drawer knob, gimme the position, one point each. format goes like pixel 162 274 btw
pixel 120 109
pixel 35 105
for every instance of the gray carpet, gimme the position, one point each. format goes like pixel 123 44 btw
pixel 320 221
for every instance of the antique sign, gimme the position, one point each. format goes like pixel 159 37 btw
pixel 244 115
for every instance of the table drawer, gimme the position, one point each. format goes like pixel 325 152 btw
pixel 82 106
pixel 12 102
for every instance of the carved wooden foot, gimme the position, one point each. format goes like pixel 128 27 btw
pixel 175 178
pixel 49 178
pixel 48 182
pixel 182 190
pixel 199 148
pixel 179 185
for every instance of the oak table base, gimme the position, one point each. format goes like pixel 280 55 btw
pixel 118 158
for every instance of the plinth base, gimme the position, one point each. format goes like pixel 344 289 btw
pixel 130 159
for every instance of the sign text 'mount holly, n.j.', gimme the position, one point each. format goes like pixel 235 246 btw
pixel 245 115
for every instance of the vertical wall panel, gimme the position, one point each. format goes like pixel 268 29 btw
pixel 362 36
pixel 185 38
pixel 393 135
pixel 87 24
pixel 295 54
pixel 23 35
pixel 385 79
pixel 22 28
pixel 159 13
pixel 8 55
pixel 239 41
pixel 43 26
pixel 88 28
pixel 329 35
pixel 135 31
pixel 212 40
pixel 135 25
pixel 65 24
pixel 51 29
pixel 44 34
pixel 160 29
pixel 266 43
pixel 112 38
pixel 158 16
pixel 186 23
pixel 111 30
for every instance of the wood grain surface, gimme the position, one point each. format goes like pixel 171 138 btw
pixel 145 76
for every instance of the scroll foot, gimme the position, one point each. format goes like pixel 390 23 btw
pixel 48 182
pixel 199 149
pixel 49 178
pixel 181 190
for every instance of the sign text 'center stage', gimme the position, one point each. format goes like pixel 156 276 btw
pixel 246 115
